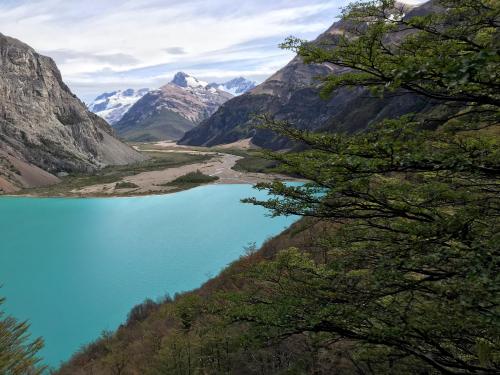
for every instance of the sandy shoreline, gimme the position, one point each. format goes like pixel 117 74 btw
pixel 157 182
pixel 153 182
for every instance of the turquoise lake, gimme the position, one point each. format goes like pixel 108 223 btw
pixel 75 267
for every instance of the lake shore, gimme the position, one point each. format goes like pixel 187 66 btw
pixel 114 253
pixel 168 162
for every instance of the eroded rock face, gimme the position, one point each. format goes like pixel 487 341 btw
pixel 44 124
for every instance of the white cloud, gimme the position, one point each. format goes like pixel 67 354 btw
pixel 122 42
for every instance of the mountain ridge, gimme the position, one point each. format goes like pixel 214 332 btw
pixel 236 86
pixel 171 110
pixel 44 128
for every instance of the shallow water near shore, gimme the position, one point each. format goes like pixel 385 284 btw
pixel 75 267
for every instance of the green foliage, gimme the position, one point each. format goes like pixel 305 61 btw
pixel 188 308
pixel 116 359
pixel 140 312
pixel 412 272
pixel 17 352
pixel 450 54
pixel 193 178
pixel 255 163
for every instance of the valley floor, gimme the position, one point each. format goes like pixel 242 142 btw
pixel 158 175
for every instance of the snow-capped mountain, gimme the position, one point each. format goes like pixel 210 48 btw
pixel 170 111
pixel 236 86
pixel 184 80
pixel 112 106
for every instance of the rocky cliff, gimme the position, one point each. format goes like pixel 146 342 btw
pixel 167 113
pixel 293 94
pixel 44 128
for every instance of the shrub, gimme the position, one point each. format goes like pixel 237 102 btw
pixel 126 185
pixel 140 312
pixel 193 178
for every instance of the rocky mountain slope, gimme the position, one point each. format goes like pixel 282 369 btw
pixel 111 106
pixel 236 86
pixel 293 94
pixel 44 128
pixel 167 113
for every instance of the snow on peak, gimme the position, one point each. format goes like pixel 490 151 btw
pixel 112 106
pixel 185 80
pixel 235 86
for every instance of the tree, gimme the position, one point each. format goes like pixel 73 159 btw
pixel 18 356
pixel 117 358
pixel 412 273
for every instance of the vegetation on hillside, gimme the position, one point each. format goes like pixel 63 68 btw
pixel 18 353
pixel 411 277
pixel 184 335
pixel 396 267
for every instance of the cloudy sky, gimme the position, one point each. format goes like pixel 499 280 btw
pixel 103 45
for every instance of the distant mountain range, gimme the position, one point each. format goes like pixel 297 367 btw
pixel 44 129
pixel 170 111
pixel 167 112
pixel 235 87
pixel 111 106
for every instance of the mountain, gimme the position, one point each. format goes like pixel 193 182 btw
pixel 167 113
pixel 113 105
pixel 236 87
pixel 44 128
pixel 292 94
